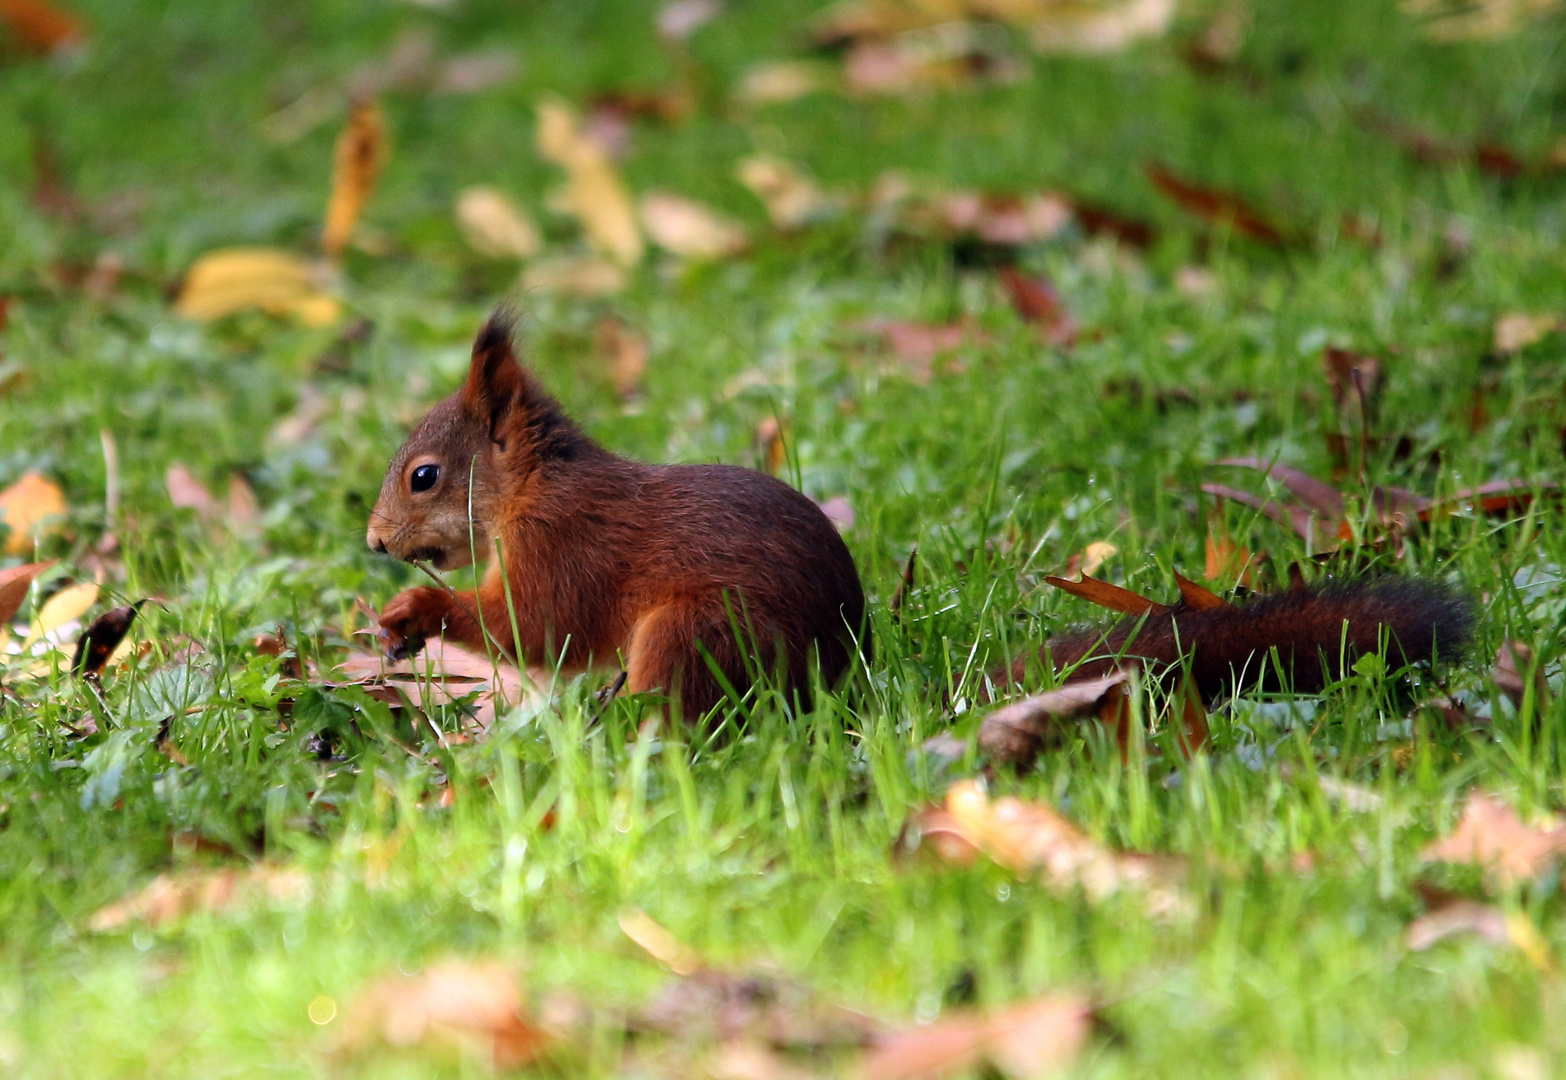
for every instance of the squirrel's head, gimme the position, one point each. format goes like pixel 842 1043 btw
pixel 481 452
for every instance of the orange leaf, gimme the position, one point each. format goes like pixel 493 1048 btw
pixel 14 584
pixel 1215 207
pixel 1196 597
pixel 1110 596
pixel 356 166
pixel 1492 835
pixel 39 26
pixel 30 508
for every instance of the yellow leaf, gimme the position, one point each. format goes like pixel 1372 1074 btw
pixel 792 198
pixel 1517 330
pixel 30 507
pixel 1100 28
pixel 279 282
pixel 690 229
pixel 360 154
pixel 495 226
pixel 594 191
pixel 780 81
pixel 67 605
pixel 1095 554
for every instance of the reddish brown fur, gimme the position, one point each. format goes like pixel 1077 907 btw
pixel 1313 634
pixel 605 559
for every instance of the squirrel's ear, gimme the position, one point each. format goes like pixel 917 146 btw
pixel 496 385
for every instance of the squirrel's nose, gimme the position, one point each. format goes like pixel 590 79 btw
pixel 374 538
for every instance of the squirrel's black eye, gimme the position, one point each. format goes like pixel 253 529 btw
pixel 424 477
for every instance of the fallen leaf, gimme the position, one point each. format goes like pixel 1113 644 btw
pixel 1484 20
pixel 840 512
pixel 65 606
pixel 188 493
pixel 1226 560
pixel 1032 838
pixel 1517 330
pixel 494 225
pixel 1513 661
pixel 626 353
pixel 1095 555
pixel 39 26
pixel 14 584
pixel 171 897
pixel 947 55
pixel 689 229
pixel 1099 29
pixel 1017 733
pixel 460 1005
pixel 791 198
pixel 1491 835
pixel 778 81
pixel 1007 220
pixel 1353 377
pixel 444 672
pixel 679 19
pixel 594 191
pixel 1107 595
pixel 708 1005
pixel 31 509
pixel 1457 917
pixel 658 942
pixel 356 166
pixel 1323 498
pixel 1037 1039
pixel 243 511
pixel 575 275
pixel 98 641
pixel 1037 301
pixel 917 346
pixel 224 282
pixel 480 70
pixel 1215 207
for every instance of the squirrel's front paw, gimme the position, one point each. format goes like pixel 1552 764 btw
pixel 410 617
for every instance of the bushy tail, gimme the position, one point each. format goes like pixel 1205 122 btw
pixel 1299 639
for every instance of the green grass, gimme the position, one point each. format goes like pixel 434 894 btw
pixel 776 848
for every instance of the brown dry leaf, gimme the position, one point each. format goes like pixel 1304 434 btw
pixel 452 1005
pixel 444 671
pixel 356 166
pixel 575 275
pixel 1324 499
pixel 244 512
pixel 31 509
pixel 230 280
pixel 689 229
pixel 1516 330
pixel 626 353
pixel 1037 301
pixel 494 225
pixel 188 493
pixel 1110 596
pixel 1512 662
pixel 792 199
pixel 594 191
pixel 1030 837
pixel 173 896
pixel 40 27
pixel 1491 835
pixel 1016 733
pixel 918 346
pixel 658 942
pixel 948 55
pixel 1351 375
pixel 778 81
pixel 100 640
pixel 14 584
pixel 1216 207
pixel 1036 1039
pixel 1011 220
pixel 1457 917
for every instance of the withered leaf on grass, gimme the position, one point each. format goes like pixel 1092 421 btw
pixel 778 81
pixel 64 607
pixel 278 282
pixel 453 1005
pixel 679 19
pixel 445 672
pixel 918 346
pixel 792 199
pixel 575 275
pixel 1032 838
pixel 1448 20
pixel 30 509
pixel 1038 302
pixel 40 26
pixel 1216 207
pixel 98 641
pixel 1035 1039
pixel 625 353
pixel 14 584
pixel 356 166
pixel 594 191
pixel 1018 731
pixel 689 229
pixel 1516 330
pixel 948 55
pixel 1457 916
pixel 1491 835
pixel 170 897
pixel 494 225
pixel 1513 660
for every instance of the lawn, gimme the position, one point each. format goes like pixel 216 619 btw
pixel 1403 185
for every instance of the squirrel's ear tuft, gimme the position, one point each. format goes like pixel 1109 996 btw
pixel 496 384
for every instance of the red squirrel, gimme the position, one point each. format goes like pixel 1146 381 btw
pixel 1300 638
pixel 672 570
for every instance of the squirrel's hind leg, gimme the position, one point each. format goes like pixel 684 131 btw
pixel 663 656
